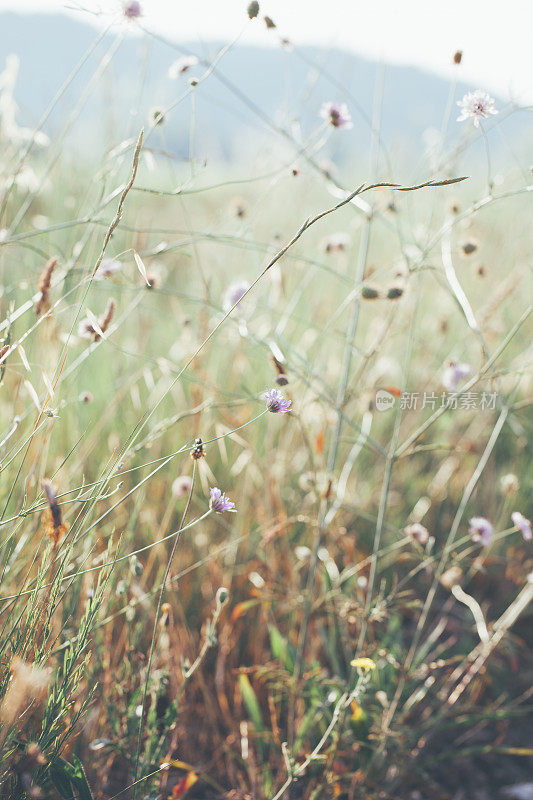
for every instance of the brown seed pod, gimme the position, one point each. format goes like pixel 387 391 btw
pixel 394 292
pixel 44 285
pixel 369 292
pixel 198 450
pixel 253 9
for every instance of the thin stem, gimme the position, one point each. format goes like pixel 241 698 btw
pixel 154 632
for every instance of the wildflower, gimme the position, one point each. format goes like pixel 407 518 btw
pixel 523 524
pixel 417 532
pixel 253 9
pixel 476 105
pixel 218 501
pixel 181 486
pixel 107 267
pixel 182 65
pixel 481 530
pixel 337 114
pixel 233 294
pixel 337 243
pixel 132 9
pixel 453 374
pixel 276 403
pixel 365 664
pixel 44 285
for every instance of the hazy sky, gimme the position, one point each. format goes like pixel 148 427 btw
pixel 496 36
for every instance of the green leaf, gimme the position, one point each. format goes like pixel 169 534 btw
pixel 281 649
pixel 81 781
pixel 60 777
pixel 251 703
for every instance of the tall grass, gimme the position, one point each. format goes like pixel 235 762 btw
pixel 343 633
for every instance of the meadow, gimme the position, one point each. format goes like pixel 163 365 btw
pixel 346 358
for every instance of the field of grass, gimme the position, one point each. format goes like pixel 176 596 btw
pixel 345 634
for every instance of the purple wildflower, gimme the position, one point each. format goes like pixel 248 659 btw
pixel 234 293
pixel 477 106
pixel 337 114
pixel 417 532
pixel 276 403
pixel 132 9
pixel 181 65
pixel 219 502
pixel 453 374
pixel 481 530
pixel 523 524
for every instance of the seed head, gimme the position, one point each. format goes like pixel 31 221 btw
pixel 182 486
pixel 198 450
pixel 469 248
pixel 182 65
pixel 44 285
pixel 394 292
pixel 56 526
pixel 509 484
pixel 157 116
pixel 369 292
pixel 253 9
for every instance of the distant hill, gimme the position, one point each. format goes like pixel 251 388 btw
pixel 283 87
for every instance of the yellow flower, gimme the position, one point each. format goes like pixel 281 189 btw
pixel 363 663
